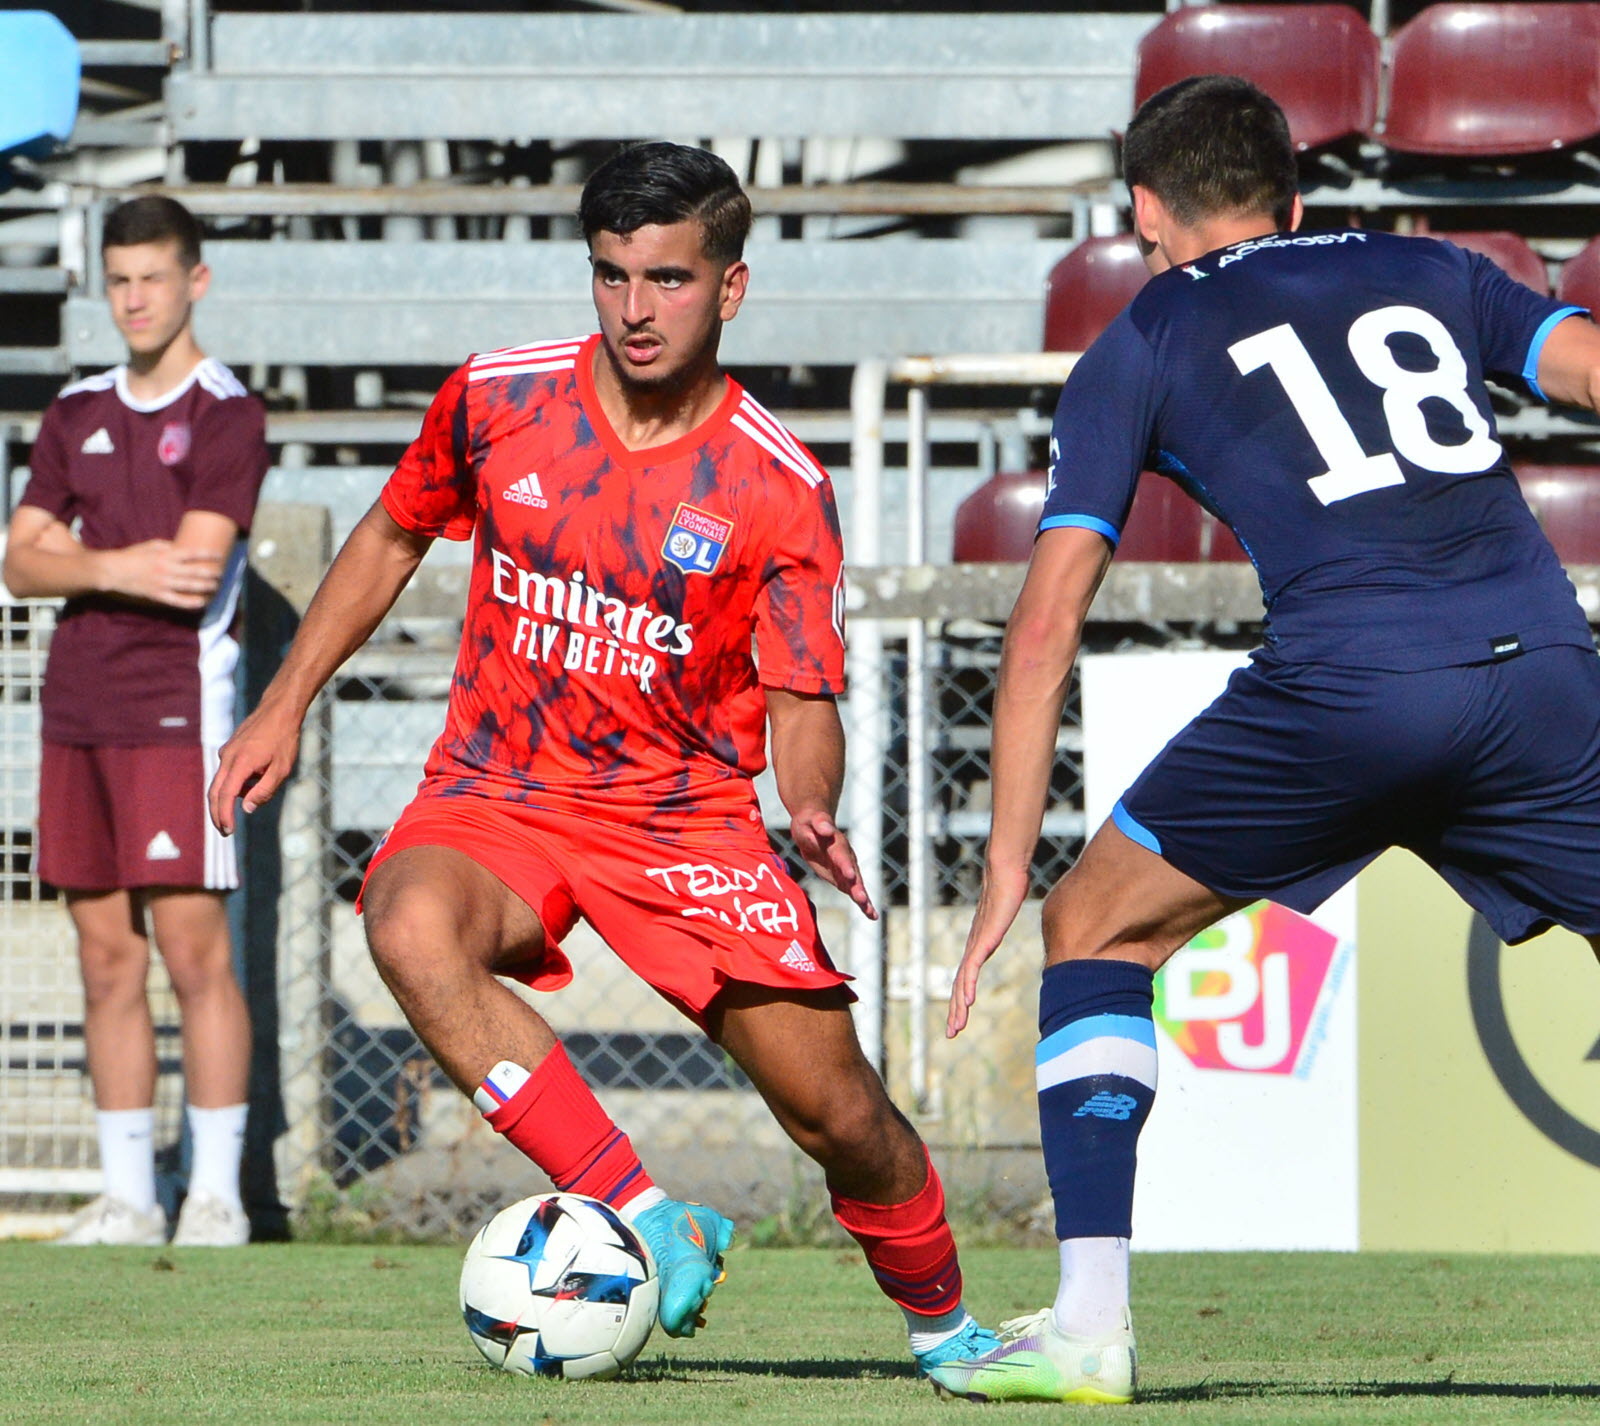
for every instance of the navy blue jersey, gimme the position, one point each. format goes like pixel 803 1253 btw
pixel 1323 394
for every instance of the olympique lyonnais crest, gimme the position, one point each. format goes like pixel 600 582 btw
pixel 174 443
pixel 695 540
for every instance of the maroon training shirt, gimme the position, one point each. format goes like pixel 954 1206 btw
pixel 125 674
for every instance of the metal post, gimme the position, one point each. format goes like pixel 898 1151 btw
pixel 869 732
pixel 918 781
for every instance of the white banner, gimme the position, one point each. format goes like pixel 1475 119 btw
pixel 1252 1141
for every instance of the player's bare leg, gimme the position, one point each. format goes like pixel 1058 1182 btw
pixel 191 932
pixel 190 928
pixel 439 925
pixel 801 1053
pixel 119 1039
pixel 120 1047
pixel 1109 924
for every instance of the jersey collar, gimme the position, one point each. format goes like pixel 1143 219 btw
pixel 685 444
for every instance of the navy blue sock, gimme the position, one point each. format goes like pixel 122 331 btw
pixel 1096 1072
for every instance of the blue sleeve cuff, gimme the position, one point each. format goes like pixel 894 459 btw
pixel 1082 522
pixel 1530 368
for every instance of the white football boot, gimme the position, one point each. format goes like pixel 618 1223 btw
pixel 112 1221
pixel 205 1221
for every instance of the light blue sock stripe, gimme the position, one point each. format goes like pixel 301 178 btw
pixel 1134 830
pixel 1095 1027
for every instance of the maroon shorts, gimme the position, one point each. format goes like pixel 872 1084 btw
pixel 686 920
pixel 119 818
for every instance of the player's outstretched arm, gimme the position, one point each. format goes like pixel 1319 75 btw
pixel 808 764
pixel 360 587
pixel 1036 660
pixel 1569 364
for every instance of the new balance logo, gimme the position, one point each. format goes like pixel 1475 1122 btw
pixel 796 958
pixel 98 444
pixel 527 492
pixel 1106 1105
pixel 162 849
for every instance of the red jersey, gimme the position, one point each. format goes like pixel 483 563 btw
pixel 122 674
pixel 626 607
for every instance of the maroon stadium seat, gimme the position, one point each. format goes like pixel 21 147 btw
pixel 1510 251
pixel 1579 282
pixel 1087 288
pixel 1320 62
pixel 996 523
pixel 1566 501
pixel 1164 524
pixel 1481 79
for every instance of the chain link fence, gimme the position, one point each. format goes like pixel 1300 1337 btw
pixel 352 1127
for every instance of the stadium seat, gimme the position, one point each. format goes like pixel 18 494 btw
pixel 1479 79
pixel 1087 288
pixel 1566 501
pixel 996 523
pixel 39 74
pixel 1579 280
pixel 1510 251
pixel 1320 62
pixel 1163 525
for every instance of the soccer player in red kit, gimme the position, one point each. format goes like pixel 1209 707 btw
pixel 656 583
pixel 161 459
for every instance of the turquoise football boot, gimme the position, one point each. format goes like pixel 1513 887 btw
pixel 971 1341
pixel 687 1241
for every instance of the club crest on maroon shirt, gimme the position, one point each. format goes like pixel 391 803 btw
pixel 174 443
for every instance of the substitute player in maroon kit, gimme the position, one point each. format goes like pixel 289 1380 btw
pixel 641 525
pixel 161 460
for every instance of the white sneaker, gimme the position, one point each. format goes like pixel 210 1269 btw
pixel 112 1220
pixel 207 1222
pixel 1036 1362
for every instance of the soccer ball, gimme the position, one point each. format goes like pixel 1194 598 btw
pixel 558 1285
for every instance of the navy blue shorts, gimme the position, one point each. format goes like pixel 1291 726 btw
pixel 1299 775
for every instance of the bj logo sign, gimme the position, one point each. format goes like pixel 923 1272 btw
pixel 1242 995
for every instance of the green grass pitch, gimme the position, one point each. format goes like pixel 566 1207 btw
pixel 352 1335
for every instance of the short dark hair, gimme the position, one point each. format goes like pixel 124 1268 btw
pixel 1213 146
pixel 668 183
pixel 152 218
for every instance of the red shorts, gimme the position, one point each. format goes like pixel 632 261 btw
pixel 686 921
pixel 121 818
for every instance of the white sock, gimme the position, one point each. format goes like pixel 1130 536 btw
pixel 128 1155
pixel 1093 1297
pixel 930 1332
pixel 641 1203
pixel 216 1142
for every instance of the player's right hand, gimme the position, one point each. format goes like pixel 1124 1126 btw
pixel 998 903
pixel 162 572
pixel 252 765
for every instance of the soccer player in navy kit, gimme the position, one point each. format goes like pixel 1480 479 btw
pixel 141 481
pixel 1427 679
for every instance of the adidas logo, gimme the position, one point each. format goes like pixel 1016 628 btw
pixel 162 849
pixel 98 444
pixel 1106 1105
pixel 527 492
pixel 796 958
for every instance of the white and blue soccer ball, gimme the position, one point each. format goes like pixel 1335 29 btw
pixel 559 1286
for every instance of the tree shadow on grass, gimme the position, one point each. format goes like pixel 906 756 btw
pixel 1443 1387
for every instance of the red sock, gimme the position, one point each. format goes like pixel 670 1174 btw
pixel 558 1123
pixel 909 1247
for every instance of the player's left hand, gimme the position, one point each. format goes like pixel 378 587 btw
pixel 827 852
pixel 998 903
